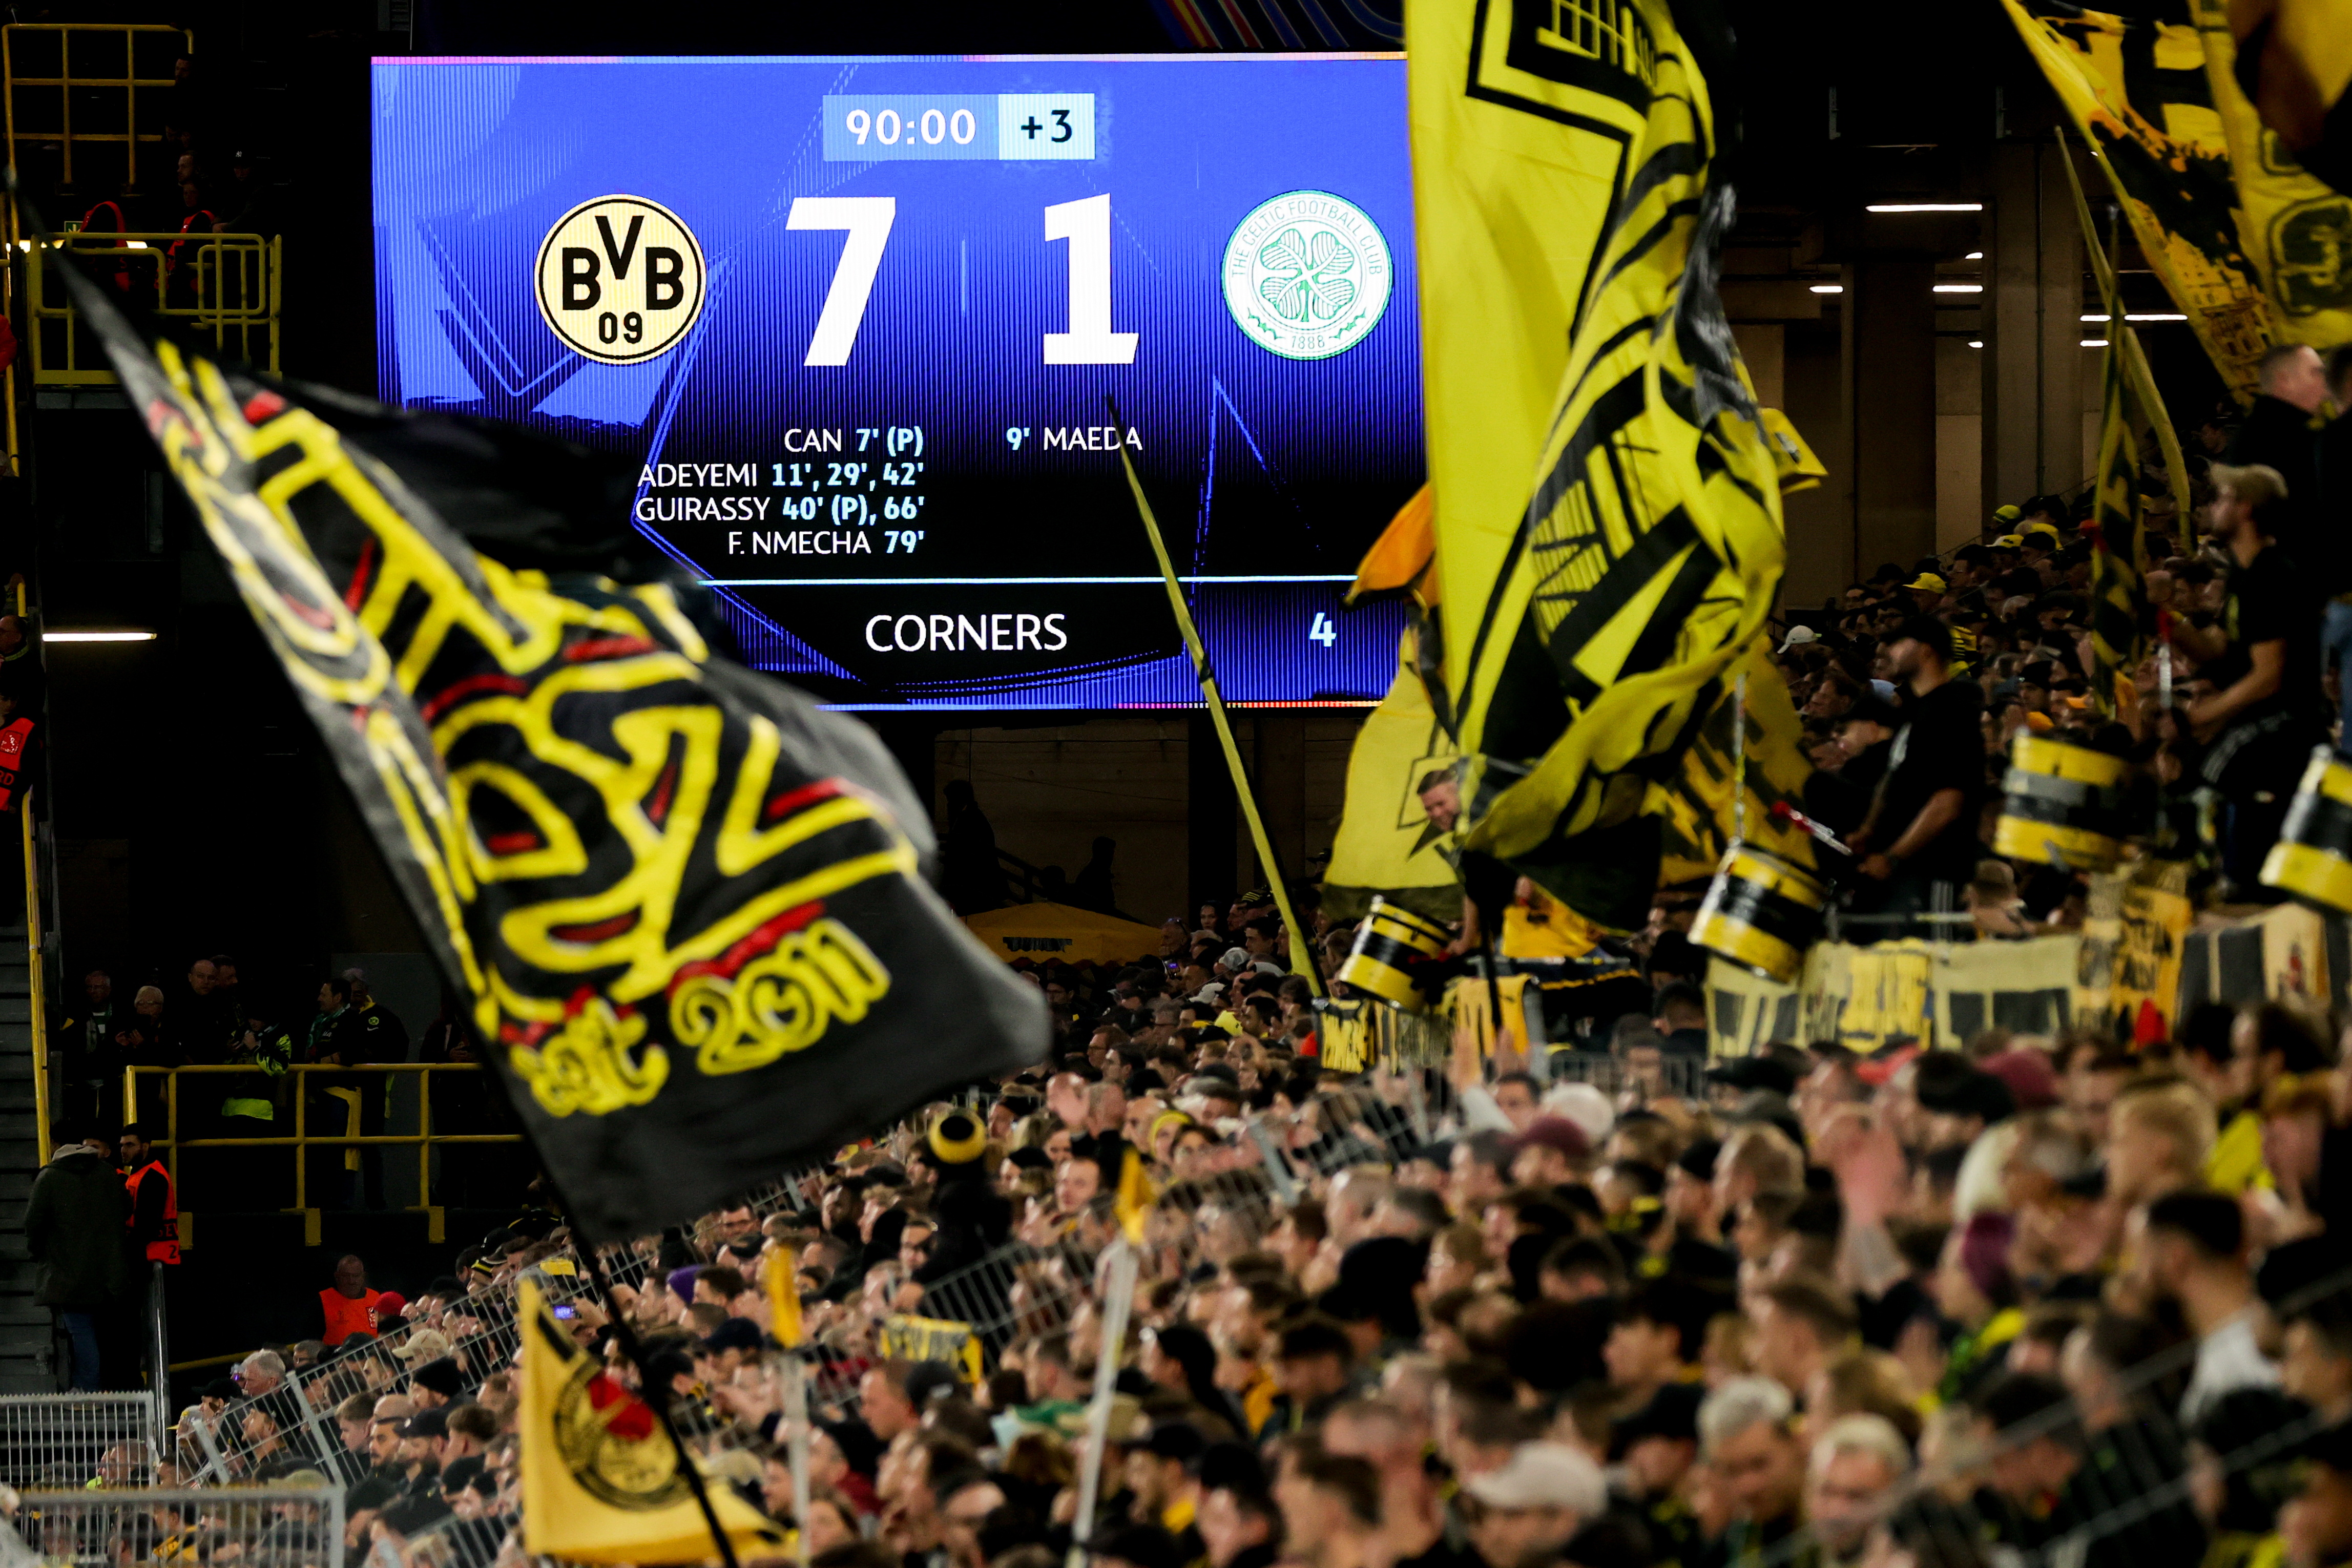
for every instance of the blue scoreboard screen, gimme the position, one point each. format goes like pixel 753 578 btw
pixel 875 331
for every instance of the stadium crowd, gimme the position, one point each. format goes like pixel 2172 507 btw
pixel 2021 1301
pixel 2015 1300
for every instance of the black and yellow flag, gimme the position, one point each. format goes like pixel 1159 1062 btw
pixel 685 905
pixel 2295 226
pixel 2293 61
pixel 601 1481
pixel 1523 135
pixel 2139 93
pixel 1386 846
pixel 2132 423
pixel 1590 637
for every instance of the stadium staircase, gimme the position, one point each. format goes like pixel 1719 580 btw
pixel 26 1352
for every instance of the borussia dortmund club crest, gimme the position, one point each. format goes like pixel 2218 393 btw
pixel 1307 275
pixel 611 1444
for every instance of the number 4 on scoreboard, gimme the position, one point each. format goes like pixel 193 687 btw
pixel 1325 630
pixel 1086 225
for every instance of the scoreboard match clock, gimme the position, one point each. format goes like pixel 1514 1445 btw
pixel 858 323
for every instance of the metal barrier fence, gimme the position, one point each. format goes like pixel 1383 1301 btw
pixel 224 287
pixel 267 1527
pixel 2108 1472
pixel 55 1440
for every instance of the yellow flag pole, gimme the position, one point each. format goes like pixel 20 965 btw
pixel 1302 962
pixel 2125 340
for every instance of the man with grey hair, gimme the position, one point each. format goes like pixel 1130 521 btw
pixel 1745 1435
pixel 1356 1192
pixel 1849 1483
pixel 260 1373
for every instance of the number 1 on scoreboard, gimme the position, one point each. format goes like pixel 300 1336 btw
pixel 1089 341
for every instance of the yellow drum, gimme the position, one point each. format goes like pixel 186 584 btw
pixel 2062 805
pixel 1389 945
pixel 1762 913
pixel 2313 858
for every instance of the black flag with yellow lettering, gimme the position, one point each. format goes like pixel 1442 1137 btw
pixel 686 905
pixel 2137 89
pixel 1590 635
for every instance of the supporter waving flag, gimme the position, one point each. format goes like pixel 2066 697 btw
pixel 686 906
pixel 1586 645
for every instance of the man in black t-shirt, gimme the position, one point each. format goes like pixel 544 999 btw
pixel 1922 829
pixel 2262 658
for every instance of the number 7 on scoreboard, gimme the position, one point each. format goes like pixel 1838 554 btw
pixel 868 220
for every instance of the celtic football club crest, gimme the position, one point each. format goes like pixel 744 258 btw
pixel 1307 275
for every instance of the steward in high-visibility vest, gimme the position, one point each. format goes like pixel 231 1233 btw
pixel 154 1221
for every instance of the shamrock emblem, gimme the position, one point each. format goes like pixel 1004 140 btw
pixel 1306 281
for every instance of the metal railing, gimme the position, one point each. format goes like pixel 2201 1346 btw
pixel 79 80
pixel 67 1440
pixel 425 1140
pixel 220 286
pixel 101 1527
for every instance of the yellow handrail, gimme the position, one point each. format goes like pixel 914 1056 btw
pixel 68 81
pixel 235 299
pixel 300 1139
pixel 39 1009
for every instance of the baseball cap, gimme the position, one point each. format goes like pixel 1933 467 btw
pixel 2007 514
pixel 2007 541
pixel 1554 1133
pixel 2049 529
pixel 433 1423
pixel 1973 1092
pixel 391 1303
pixel 1930 582
pixel 1798 637
pixel 2027 1071
pixel 1543 1475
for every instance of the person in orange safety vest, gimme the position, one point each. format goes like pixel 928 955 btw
pixel 154 1222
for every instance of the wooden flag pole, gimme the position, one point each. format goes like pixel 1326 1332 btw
pixel 1302 962
pixel 1118 1297
pixel 797 1433
pixel 2121 337
pixel 656 1399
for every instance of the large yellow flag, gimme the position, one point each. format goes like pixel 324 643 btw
pixel 2297 228
pixel 601 1481
pixel 1588 644
pixel 1522 136
pixel 2136 90
pixel 1386 844
pixel 1697 813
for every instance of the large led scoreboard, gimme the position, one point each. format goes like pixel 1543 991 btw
pixel 874 333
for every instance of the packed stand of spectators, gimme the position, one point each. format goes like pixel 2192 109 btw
pixel 1913 685
pixel 2033 1300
